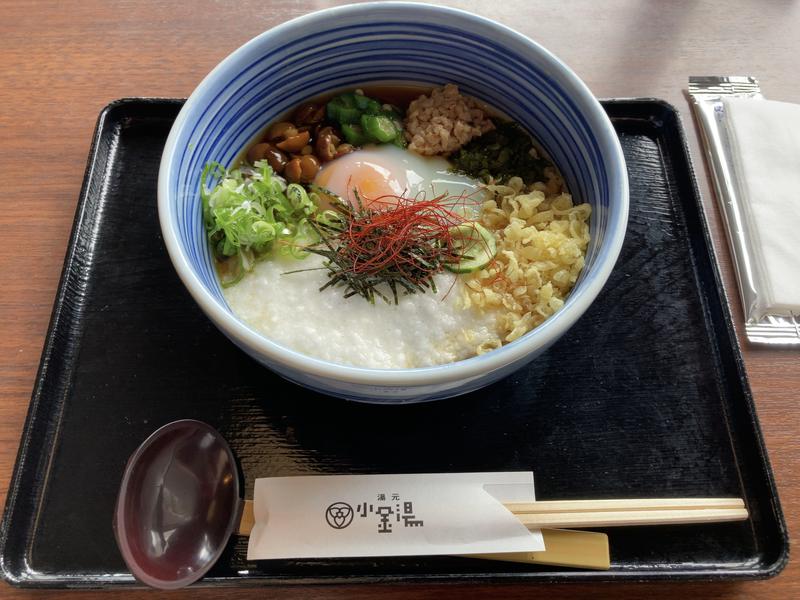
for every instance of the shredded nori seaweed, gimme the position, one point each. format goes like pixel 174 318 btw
pixel 500 154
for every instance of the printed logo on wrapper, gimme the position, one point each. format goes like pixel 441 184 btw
pixel 390 515
pixel 339 515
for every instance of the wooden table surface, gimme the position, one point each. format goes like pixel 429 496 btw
pixel 62 62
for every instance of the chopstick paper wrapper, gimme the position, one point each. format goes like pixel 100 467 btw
pixel 753 147
pixel 390 515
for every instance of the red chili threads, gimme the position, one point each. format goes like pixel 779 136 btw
pixel 393 241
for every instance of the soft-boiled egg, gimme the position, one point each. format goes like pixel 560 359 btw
pixel 382 172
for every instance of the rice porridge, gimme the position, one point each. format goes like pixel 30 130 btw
pixel 422 329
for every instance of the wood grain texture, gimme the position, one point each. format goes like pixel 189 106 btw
pixel 62 62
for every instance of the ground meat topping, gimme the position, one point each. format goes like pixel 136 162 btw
pixel 444 121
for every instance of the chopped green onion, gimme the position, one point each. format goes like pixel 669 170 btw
pixel 248 212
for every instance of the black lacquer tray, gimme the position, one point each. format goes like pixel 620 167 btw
pixel 645 397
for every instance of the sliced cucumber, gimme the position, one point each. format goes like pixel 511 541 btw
pixel 475 243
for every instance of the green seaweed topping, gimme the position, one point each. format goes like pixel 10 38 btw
pixel 500 154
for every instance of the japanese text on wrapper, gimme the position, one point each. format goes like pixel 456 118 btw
pixel 389 512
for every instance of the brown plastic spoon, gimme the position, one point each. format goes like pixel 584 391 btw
pixel 178 504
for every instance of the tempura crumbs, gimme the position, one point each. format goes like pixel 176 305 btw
pixel 541 247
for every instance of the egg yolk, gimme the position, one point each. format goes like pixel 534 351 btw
pixel 371 180
pixel 380 174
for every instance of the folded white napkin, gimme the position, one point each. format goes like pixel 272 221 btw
pixel 765 139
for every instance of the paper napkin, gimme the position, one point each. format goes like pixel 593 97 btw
pixel 765 140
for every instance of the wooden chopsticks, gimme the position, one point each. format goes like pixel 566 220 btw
pixel 614 513
pixel 605 513
pixel 585 549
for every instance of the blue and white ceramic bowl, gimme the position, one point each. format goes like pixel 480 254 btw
pixel 391 42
